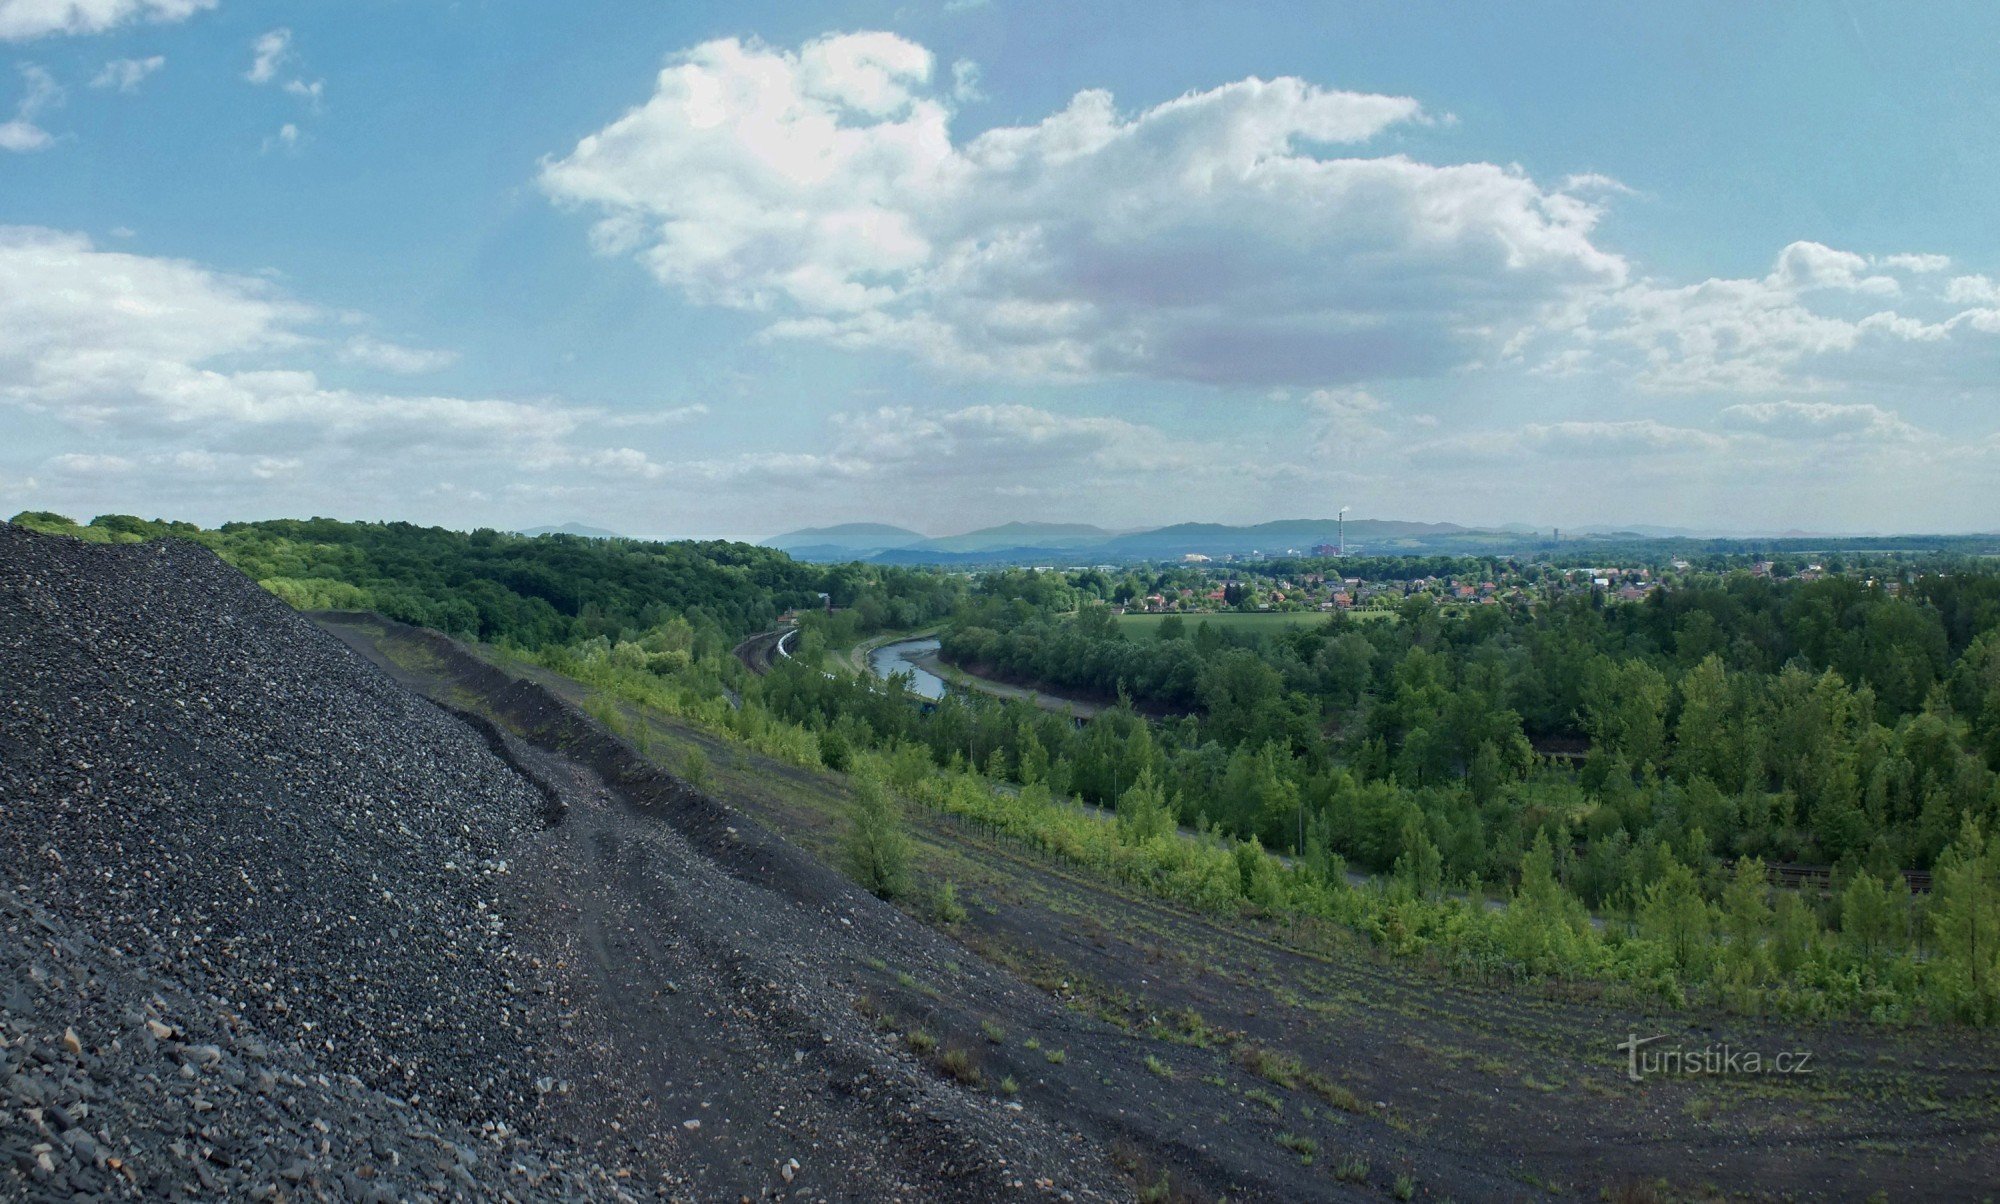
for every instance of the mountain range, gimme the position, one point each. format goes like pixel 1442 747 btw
pixel 1081 542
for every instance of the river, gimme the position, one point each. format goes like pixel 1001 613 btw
pixel 891 659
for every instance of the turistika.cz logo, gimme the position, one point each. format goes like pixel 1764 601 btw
pixel 1643 1058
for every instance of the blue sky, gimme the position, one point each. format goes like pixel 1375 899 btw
pixel 687 269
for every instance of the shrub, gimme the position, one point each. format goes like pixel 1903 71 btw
pixel 694 769
pixel 946 906
pixel 834 752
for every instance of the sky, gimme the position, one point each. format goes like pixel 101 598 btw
pixel 727 270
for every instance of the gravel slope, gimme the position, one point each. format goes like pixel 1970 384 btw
pixel 286 928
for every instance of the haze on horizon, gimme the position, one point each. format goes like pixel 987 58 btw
pixel 734 270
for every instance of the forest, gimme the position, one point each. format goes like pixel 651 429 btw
pixel 1654 760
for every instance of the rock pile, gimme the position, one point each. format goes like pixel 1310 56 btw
pixel 238 918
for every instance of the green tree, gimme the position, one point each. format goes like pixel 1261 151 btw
pixel 1143 812
pixel 1544 927
pixel 1672 912
pixel 876 848
pixel 1746 917
pixel 1419 866
pixel 1965 918
pixel 1871 917
pixel 1625 710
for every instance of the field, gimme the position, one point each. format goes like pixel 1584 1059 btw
pixel 1241 620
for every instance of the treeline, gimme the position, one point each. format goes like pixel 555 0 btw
pixel 492 585
pixel 1816 721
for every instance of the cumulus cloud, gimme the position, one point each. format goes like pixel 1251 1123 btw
pixel 152 348
pixel 1820 318
pixel 268 53
pixel 24 19
pixel 1234 235
pixel 125 75
pixel 21 134
pixel 1972 290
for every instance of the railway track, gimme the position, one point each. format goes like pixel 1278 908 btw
pixel 759 651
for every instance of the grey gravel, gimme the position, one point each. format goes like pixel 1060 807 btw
pixel 279 928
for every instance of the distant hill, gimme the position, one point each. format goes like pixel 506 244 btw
pixel 846 541
pixel 1082 543
pixel 588 532
pixel 1273 538
pixel 1020 535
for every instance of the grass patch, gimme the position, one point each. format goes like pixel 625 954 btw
pixel 1259 1095
pixel 958 1062
pixel 1332 1092
pixel 920 1042
pixel 1056 1057
pixel 1352 1169
pixel 1305 1147
pixel 993 1032
pixel 1159 1068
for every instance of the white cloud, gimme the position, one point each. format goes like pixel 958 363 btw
pixel 979 448
pixel 155 348
pixel 312 93
pixel 287 139
pixel 24 19
pixel 1577 442
pixel 965 81
pixel 1215 237
pixel 1818 420
pixel 1915 262
pixel 1810 265
pixel 267 54
pixel 88 464
pixel 1346 417
pixel 673 416
pixel 125 75
pixel 1972 290
pixel 1591 181
pixel 22 134
pixel 394 357
pixel 1818 320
